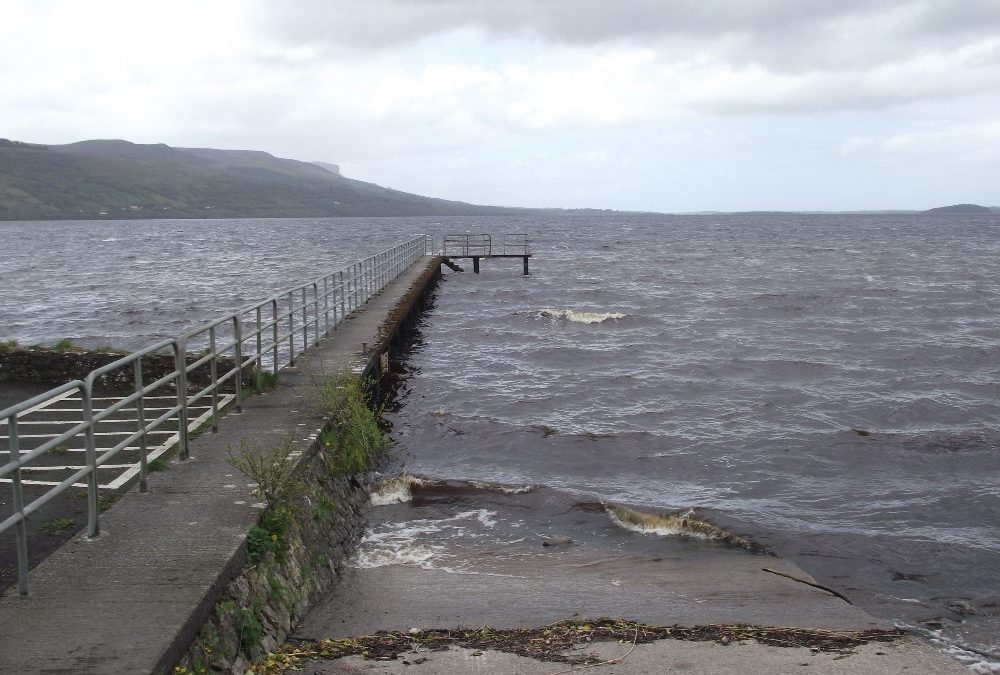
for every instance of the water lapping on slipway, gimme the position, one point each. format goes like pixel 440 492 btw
pixel 477 527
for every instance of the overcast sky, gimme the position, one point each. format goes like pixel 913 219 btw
pixel 664 105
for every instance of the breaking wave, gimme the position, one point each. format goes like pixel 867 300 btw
pixel 399 489
pixel 575 316
pixel 674 524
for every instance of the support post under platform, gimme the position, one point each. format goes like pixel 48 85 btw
pixel 525 265
pixel 475 265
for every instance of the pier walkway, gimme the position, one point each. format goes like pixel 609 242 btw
pixel 131 599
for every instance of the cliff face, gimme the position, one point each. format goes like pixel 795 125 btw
pixel 332 168
pixel 119 179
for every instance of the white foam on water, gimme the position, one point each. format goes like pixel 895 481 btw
pixel 577 316
pixel 667 528
pixel 976 662
pixel 396 490
pixel 394 493
pixel 499 487
pixel 672 525
pixel 399 489
pixel 406 543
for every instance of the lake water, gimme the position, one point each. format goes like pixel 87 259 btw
pixel 827 386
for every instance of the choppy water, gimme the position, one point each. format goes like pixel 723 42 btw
pixel 827 385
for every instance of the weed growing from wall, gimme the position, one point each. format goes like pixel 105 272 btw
pixel 353 438
pixel 248 628
pixel 269 535
pixel 271 469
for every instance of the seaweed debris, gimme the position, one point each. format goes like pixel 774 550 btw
pixel 550 643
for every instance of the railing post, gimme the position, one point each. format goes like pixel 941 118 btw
pixel 315 313
pixel 358 281
pixel 214 369
pixel 274 325
pixel 347 289
pixel 326 306
pixel 305 322
pixel 140 417
pixel 238 338
pixel 20 530
pixel 180 365
pixel 90 457
pixel 341 287
pixel 291 328
pixel 258 369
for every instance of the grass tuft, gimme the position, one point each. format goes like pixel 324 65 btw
pixel 58 526
pixel 158 464
pixel 63 345
pixel 353 437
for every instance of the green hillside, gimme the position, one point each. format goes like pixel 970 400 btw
pixel 118 179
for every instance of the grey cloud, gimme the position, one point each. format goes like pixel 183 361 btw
pixel 783 36
pixel 378 23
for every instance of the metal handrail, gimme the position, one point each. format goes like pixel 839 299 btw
pixel 515 244
pixel 467 244
pixel 255 337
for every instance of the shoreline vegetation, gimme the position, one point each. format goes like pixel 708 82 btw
pixel 120 180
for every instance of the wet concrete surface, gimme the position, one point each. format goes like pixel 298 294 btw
pixel 449 557
pixel 480 558
pixel 905 657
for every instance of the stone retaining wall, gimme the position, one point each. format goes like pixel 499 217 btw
pixel 261 605
pixel 267 599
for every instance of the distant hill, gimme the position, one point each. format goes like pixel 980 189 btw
pixel 962 209
pixel 119 179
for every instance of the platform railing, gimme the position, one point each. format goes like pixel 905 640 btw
pixel 263 336
pixel 515 244
pixel 467 244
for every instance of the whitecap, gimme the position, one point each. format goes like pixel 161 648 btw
pixel 672 525
pixel 577 316
pixel 396 490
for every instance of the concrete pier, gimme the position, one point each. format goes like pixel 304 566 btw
pixel 131 600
